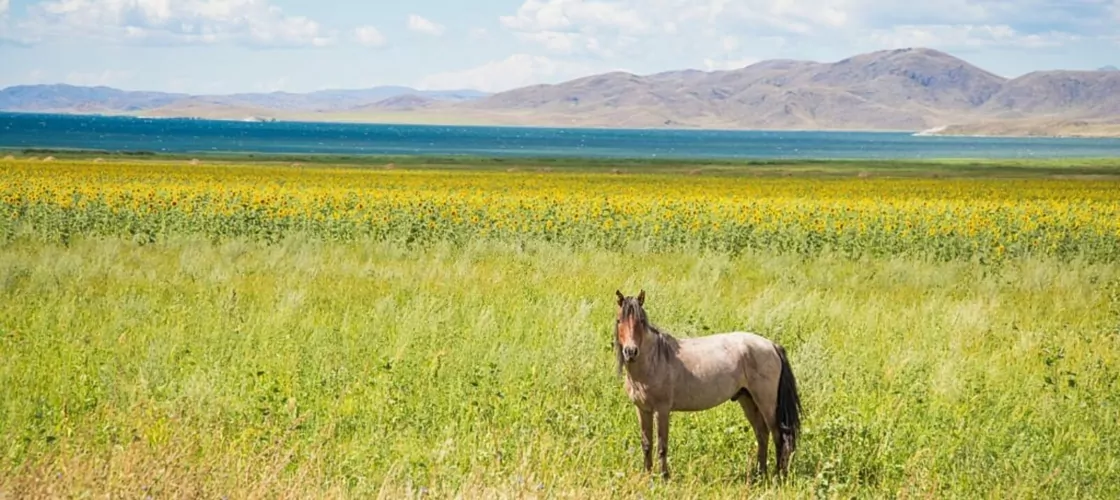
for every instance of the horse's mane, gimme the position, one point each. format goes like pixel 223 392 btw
pixel 665 344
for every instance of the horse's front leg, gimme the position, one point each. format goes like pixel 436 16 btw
pixel 663 441
pixel 645 419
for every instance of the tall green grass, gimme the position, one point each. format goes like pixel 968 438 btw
pixel 188 368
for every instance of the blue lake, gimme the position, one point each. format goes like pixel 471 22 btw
pixel 200 136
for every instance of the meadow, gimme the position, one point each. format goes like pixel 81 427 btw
pixel 252 330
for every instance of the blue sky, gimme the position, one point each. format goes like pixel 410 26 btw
pixel 219 46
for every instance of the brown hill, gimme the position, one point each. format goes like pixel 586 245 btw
pixel 400 103
pixel 898 89
pixel 1072 94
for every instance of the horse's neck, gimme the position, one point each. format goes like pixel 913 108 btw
pixel 651 363
pixel 640 375
pixel 665 341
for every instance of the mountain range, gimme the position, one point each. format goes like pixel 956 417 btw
pixel 62 98
pixel 915 89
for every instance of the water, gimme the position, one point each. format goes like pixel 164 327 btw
pixel 198 136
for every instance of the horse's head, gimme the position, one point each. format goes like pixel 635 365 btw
pixel 631 325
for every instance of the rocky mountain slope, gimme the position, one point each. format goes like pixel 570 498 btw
pixel 909 89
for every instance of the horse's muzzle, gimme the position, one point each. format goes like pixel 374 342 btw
pixel 629 353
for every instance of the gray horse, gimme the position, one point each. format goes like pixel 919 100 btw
pixel 664 374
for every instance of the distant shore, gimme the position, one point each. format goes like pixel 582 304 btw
pixel 1057 129
pixel 1027 128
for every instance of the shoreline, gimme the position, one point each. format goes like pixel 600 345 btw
pixel 422 120
pixel 1018 136
pixel 1077 129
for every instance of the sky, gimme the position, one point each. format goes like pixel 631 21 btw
pixel 223 46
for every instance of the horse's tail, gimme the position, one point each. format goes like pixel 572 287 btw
pixel 789 406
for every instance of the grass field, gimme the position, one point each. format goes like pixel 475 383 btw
pixel 181 330
pixel 956 167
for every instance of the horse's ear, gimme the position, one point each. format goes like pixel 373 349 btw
pixel 642 298
pixel 620 297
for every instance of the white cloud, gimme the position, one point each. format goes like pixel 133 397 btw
pixel 598 27
pixel 729 42
pixel 110 78
pixel 869 14
pixel 274 85
pixel 562 15
pixel 517 70
pixel 5 30
pixel 560 42
pixel 478 33
pixel 555 41
pixel 36 76
pixel 730 54
pixel 196 85
pixel 423 25
pixel 246 22
pixel 660 17
pixel 716 32
pixel 728 64
pixel 964 36
pixel 370 36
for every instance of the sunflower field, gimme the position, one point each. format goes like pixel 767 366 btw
pixel 936 218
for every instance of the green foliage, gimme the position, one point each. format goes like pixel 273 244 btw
pixel 307 368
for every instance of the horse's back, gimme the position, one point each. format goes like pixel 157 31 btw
pixel 752 354
pixel 738 343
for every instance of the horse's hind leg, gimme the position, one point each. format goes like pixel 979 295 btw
pixel 764 395
pixel 761 431
pixel 781 451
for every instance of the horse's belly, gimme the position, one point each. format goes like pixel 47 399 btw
pixel 698 407
pixel 704 397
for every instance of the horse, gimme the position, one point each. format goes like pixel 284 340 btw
pixel 665 374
